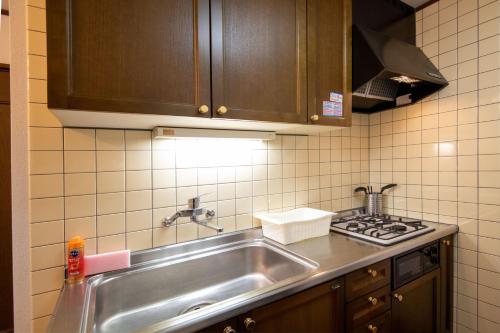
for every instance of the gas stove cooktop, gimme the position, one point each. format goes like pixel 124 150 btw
pixel 379 229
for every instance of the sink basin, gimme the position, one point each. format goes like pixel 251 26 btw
pixel 187 284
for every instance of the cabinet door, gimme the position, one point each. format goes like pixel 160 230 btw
pixel 6 305
pixel 319 309
pixel 446 260
pixel 227 326
pixel 416 305
pixel 329 61
pixel 149 56
pixel 4 86
pixel 259 60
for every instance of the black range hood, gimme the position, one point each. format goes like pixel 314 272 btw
pixel 389 72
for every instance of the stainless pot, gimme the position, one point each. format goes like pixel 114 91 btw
pixel 373 200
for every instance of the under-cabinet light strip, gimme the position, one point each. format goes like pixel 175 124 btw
pixel 173 132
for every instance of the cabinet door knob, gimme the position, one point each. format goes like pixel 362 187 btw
pixel 372 272
pixel 221 110
pixel 373 300
pixel 249 324
pixel 399 297
pixel 336 286
pixel 203 109
pixel 229 329
pixel 372 328
pixel 314 117
pixel 446 242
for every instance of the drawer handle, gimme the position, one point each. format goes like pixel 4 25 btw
pixel 373 300
pixel 249 324
pixel 372 328
pixel 372 272
pixel 229 329
pixel 399 297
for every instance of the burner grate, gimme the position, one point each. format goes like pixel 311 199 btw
pixel 383 229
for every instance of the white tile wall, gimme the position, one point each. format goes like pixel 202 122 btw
pixel 444 152
pixel 113 187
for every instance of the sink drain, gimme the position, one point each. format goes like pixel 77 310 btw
pixel 197 306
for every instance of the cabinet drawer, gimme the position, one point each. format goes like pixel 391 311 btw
pixel 368 279
pixel 367 307
pixel 381 324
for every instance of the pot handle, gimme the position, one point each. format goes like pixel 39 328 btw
pixel 361 188
pixel 386 187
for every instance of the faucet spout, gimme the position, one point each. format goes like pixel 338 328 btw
pixel 207 224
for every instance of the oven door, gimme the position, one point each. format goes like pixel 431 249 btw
pixel 407 267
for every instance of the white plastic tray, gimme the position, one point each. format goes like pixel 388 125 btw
pixel 295 225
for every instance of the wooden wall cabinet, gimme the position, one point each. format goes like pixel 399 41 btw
pixel 259 60
pixel 329 70
pixel 145 56
pixel 253 60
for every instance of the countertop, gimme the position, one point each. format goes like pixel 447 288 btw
pixel 336 255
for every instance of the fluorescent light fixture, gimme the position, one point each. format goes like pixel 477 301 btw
pixel 173 132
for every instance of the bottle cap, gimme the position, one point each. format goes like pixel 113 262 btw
pixel 76 241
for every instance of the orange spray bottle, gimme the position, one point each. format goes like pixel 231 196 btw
pixel 76 267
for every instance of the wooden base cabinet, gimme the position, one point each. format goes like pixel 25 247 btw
pixel 360 302
pixel 416 306
pixel 446 254
pixel 319 309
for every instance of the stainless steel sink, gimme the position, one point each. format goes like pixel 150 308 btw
pixel 147 297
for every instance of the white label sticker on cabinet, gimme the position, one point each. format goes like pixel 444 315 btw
pixel 333 107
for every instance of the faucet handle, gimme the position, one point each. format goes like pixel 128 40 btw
pixel 194 203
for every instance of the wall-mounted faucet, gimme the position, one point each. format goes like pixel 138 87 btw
pixel 194 210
